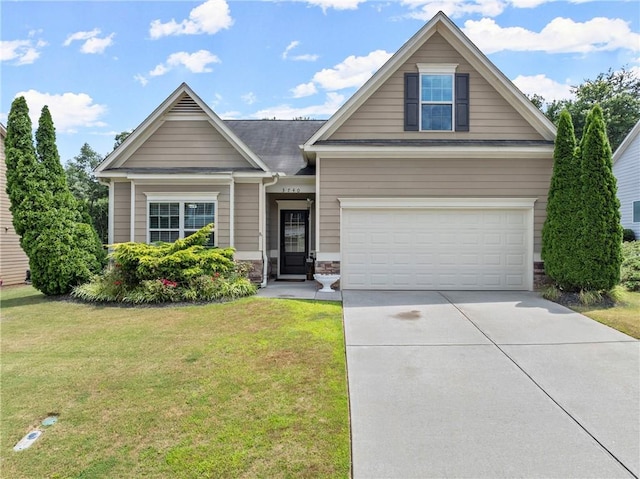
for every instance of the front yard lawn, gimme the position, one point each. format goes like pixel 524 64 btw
pixel 624 317
pixel 247 389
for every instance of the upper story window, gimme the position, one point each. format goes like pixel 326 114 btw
pixel 436 98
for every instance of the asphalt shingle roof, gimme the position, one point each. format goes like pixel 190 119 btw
pixel 277 142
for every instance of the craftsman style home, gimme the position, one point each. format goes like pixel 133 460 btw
pixel 434 175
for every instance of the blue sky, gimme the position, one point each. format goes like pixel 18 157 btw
pixel 103 67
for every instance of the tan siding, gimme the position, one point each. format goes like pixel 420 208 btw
pixel 409 178
pixel 381 116
pixel 246 217
pixel 122 212
pixel 186 144
pixel 13 261
pixel 222 212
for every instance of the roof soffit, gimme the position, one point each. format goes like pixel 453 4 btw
pixel 164 112
pixel 441 24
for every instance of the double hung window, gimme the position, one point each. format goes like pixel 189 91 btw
pixel 172 218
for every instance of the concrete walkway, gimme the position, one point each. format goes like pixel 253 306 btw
pixel 297 290
pixel 488 384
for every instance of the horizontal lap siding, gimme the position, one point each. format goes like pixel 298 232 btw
pixel 186 144
pixel 382 115
pixel 246 217
pixel 222 212
pixel 122 212
pixel 627 171
pixel 410 178
pixel 13 261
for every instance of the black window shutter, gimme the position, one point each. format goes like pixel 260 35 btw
pixel 462 102
pixel 411 102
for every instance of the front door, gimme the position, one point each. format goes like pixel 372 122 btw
pixel 294 231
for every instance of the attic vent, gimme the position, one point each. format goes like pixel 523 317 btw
pixel 186 104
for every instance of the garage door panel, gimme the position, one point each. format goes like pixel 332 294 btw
pixel 435 249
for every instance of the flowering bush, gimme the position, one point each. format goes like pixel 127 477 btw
pixel 169 272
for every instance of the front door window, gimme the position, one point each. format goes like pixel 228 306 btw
pixel 294 227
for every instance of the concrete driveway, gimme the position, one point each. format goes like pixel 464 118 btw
pixel 488 384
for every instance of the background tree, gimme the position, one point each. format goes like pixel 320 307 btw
pixel 91 195
pixel 601 233
pixel 120 137
pixel 617 93
pixel 62 251
pixel 561 228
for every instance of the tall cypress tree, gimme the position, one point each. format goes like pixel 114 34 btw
pixel 601 233
pixel 561 228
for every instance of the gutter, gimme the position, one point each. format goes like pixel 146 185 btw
pixel 263 226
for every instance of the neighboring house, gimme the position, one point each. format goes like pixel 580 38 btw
pixel 434 175
pixel 13 262
pixel 626 168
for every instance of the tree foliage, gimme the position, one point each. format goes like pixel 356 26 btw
pixel 561 229
pixel 62 251
pixel 91 195
pixel 120 137
pixel 582 235
pixel 617 93
pixel 601 232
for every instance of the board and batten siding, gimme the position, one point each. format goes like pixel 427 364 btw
pixel 382 115
pixel 421 178
pixel 627 172
pixel 192 144
pixel 247 217
pixel 121 212
pixel 14 263
pixel 221 213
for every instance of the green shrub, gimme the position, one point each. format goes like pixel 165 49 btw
pixel 628 235
pixel 630 269
pixel 169 272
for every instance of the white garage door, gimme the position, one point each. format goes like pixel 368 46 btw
pixel 446 249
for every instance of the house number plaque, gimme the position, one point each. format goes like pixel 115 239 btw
pixel 292 189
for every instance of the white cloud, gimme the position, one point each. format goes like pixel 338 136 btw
pixel 300 58
pixel 24 52
pixel 249 98
pixel 425 9
pixel 304 89
pixel 352 72
pixel 68 110
pixel 141 79
pixel 287 112
pixel 336 4
pixel 92 42
pixel 209 17
pixel 542 85
pixel 194 62
pixel 230 115
pixel 561 35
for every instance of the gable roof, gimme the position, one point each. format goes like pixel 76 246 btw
pixel 443 25
pixel 278 142
pixel 626 142
pixel 182 100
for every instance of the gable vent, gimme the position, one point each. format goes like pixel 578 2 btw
pixel 186 104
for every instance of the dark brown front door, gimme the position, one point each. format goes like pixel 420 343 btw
pixel 294 231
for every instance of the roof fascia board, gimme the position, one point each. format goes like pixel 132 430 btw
pixel 421 152
pixel 160 115
pixel 382 75
pixel 626 142
pixel 468 50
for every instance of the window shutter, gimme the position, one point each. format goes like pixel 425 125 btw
pixel 462 102
pixel 411 102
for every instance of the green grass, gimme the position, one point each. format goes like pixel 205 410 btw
pixel 624 317
pixel 248 389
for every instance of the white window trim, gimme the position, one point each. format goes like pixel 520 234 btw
pixel 438 69
pixel 183 198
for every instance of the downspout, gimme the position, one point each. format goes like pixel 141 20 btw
pixel 263 226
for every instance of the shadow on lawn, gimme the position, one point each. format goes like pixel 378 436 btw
pixel 36 298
